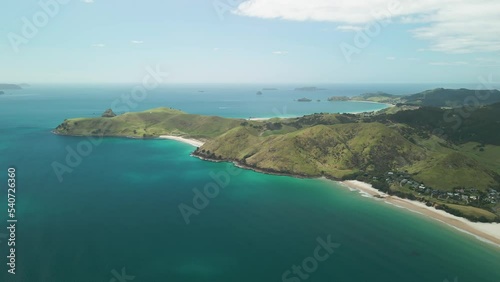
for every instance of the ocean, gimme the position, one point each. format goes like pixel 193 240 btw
pixel 115 215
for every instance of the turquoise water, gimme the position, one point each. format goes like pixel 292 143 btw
pixel 119 208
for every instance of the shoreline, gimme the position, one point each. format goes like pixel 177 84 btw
pixel 354 113
pixel 487 232
pixel 268 118
pixel 190 141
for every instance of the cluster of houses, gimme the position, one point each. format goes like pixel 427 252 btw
pixel 466 195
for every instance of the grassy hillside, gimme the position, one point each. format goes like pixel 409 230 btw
pixel 441 97
pixel 379 97
pixel 331 150
pixel 453 170
pixel 151 123
pixel 459 126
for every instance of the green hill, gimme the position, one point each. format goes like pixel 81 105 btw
pixel 454 170
pixel 441 97
pixel 458 126
pixel 379 97
pixel 320 150
pixel 151 123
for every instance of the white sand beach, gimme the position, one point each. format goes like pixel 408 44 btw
pixel 258 119
pixel 488 232
pixel 193 142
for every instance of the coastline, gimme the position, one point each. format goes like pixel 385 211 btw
pixel 190 141
pixel 487 232
pixel 268 118
pixel 355 113
pixel 360 112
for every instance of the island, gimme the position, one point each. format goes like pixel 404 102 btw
pixel 108 114
pixel 6 86
pixel 413 154
pixel 259 93
pixel 309 88
pixel 339 98
pixel 304 100
pixel 2 93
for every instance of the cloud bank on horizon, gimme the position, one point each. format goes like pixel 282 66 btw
pixel 450 26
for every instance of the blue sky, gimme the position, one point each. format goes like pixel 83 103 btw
pixel 256 41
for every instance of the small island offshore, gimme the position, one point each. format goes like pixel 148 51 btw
pixel 7 86
pixel 427 153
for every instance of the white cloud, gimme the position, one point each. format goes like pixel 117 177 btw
pixel 391 58
pixel 452 26
pixel 349 28
pixel 216 49
pixel 280 52
pixel 98 45
pixel 88 1
pixel 458 63
pixel 136 42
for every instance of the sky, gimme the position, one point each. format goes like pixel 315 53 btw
pixel 253 41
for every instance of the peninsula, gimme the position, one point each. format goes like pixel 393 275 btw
pixel 415 154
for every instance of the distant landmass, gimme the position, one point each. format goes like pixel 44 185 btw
pixel 108 114
pixel 304 100
pixel 309 89
pixel 1 92
pixel 339 98
pixel 269 89
pixel 438 97
pixel 259 93
pixel 6 86
pixel 421 153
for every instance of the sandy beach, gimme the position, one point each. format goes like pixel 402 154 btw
pixel 488 232
pixel 268 118
pixel 258 119
pixel 193 142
